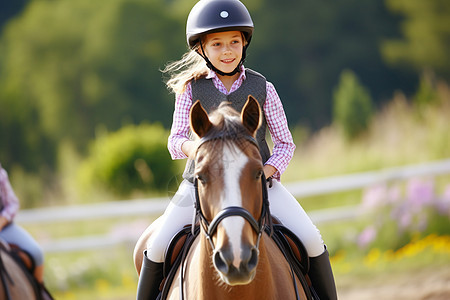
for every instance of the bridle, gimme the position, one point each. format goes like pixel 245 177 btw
pixel 258 226
pixel 209 229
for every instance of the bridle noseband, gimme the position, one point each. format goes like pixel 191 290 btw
pixel 209 229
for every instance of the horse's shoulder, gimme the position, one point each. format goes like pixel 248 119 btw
pixel 273 251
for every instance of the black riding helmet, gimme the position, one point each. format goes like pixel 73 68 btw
pixel 209 16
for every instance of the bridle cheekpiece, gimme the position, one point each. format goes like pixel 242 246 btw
pixel 258 226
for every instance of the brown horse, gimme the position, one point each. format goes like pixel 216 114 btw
pixel 233 258
pixel 16 283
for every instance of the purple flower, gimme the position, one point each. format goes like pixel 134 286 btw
pixel 420 193
pixel 446 195
pixel 403 215
pixel 367 236
pixel 374 197
pixel 443 204
pixel 394 194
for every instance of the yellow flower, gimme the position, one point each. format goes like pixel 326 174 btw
pixel 372 257
pixel 102 285
pixel 128 281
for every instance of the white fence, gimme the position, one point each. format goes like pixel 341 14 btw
pixel 145 207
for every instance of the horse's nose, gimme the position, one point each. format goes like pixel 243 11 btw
pixel 252 262
pixel 234 275
pixel 221 262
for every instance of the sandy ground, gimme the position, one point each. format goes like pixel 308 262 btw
pixel 428 284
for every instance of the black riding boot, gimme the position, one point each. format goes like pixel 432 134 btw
pixel 149 279
pixel 321 277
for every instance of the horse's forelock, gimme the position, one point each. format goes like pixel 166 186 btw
pixel 227 126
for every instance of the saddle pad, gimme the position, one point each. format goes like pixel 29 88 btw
pixel 177 245
pixel 23 256
pixel 177 249
pixel 291 246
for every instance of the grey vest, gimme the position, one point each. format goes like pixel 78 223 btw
pixel 254 84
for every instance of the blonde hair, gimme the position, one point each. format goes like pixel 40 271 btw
pixel 190 66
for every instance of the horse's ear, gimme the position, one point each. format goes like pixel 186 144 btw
pixel 251 115
pixel 200 123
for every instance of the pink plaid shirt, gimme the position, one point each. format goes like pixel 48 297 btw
pixel 8 198
pixel 284 146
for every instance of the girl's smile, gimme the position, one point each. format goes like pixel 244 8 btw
pixel 228 61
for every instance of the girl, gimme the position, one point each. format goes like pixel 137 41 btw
pixel 218 34
pixel 13 233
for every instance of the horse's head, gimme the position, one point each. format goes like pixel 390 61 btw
pixel 229 177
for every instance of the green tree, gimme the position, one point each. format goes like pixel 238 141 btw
pixel 68 67
pixel 427 92
pixel 352 105
pixel 426 36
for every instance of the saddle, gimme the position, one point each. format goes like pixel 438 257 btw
pixel 21 256
pixel 292 248
pixel 26 262
pixel 12 251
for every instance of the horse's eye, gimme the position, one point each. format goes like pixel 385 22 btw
pixel 201 178
pixel 259 174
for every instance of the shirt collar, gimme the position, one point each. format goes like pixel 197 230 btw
pixel 213 75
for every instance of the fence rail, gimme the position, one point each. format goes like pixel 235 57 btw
pixel 145 207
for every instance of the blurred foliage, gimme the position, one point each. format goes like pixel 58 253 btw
pixel 352 105
pixel 303 46
pixel 425 41
pixel 92 275
pixel 135 158
pixel 427 92
pixel 9 9
pixel 68 68
pixel 397 135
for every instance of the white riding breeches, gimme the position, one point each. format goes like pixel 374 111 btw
pixel 283 206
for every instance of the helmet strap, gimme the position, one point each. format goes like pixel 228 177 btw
pixel 212 67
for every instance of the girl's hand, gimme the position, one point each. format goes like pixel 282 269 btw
pixel 189 148
pixel 3 222
pixel 269 170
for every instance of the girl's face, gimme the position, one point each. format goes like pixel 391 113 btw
pixel 224 49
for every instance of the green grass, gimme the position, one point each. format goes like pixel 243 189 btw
pixel 347 198
pixel 97 274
